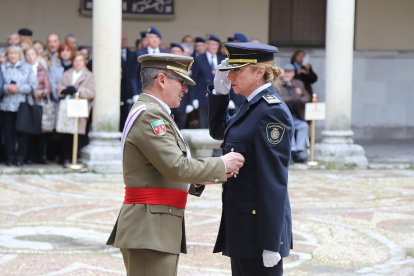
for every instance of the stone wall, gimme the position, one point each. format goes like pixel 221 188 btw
pixel 382 96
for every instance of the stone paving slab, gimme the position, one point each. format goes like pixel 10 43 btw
pixel 344 223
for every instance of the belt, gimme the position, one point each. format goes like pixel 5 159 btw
pixel 156 196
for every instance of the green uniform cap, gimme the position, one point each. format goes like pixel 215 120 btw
pixel 179 64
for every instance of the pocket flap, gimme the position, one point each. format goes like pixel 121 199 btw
pixel 164 209
pixel 236 146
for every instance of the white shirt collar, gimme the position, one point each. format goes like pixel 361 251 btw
pixel 34 67
pixel 76 75
pixel 258 90
pixel 162 103
pixel 151 51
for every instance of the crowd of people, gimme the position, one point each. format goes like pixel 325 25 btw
pixel 53 72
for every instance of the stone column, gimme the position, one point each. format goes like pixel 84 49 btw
pixel 103 154
pixel 337 148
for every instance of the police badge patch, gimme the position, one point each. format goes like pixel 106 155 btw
pixel 274 133
pixel 159 127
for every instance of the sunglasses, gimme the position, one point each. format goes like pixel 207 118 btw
pixel 173 77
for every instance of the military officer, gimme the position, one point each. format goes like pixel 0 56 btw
pixel 157 168
pixel 256 226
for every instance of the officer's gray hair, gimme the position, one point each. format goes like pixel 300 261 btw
pixel 148 76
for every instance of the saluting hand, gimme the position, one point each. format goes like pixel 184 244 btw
pixel 233 160
pixel 221 83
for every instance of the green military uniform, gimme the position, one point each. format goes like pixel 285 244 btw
pixel 152 236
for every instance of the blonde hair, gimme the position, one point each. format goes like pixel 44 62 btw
pixel 14 48
pixel 272 72
pixel 27 41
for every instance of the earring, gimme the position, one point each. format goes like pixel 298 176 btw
pixel 257 82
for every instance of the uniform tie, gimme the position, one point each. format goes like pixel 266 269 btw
pixel 172 116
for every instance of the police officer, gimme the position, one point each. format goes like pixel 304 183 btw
pixel 256 227
pixel 157 168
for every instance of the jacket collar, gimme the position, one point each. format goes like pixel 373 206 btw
pixel 144 97
pixel 18 64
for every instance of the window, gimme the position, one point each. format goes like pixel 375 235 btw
pixel 299 23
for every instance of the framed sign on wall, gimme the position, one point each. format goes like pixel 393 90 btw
pixel 138 9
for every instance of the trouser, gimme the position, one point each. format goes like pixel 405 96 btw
pixel 254 267
pixel 180 119
pixel 301 129
pixel 67 145
pixel 147 262
pixel 37 147
pixel 13 155
pixel 203 117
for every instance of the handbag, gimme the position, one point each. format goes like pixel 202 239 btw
pixel 65 124
pixel 29 117
pixel 49 114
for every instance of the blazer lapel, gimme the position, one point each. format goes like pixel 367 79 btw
pixel 246 106
pixel 81 78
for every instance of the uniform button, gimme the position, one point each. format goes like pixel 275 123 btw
pixel 169 210
pixel 206 94
pixel 281 242
pixel 216 180
pixel 235 176
pixel 254 212
pixel 232 149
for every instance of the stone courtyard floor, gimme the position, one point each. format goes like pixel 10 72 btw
pixel 344 223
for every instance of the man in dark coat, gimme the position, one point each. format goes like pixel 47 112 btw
pixel 203 72
pixel 128 61
pixel 295 96
pixel 154 40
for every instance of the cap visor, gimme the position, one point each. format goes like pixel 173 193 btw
pixel 233 66
pixel 188 80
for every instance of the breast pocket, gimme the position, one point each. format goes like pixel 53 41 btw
pixel 230 146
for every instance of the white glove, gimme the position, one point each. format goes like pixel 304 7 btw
pixel 270 258
pixel 130 101
pixel 232 105
pixel 189 108
pixel 221 83
pixel 135 98
pixel 195 104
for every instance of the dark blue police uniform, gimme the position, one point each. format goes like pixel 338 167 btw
pixel 136 70
pixel 256 212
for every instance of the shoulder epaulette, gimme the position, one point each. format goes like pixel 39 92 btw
pixel 152 105
pixel 271 99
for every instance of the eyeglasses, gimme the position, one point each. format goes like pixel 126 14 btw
pixel 173 77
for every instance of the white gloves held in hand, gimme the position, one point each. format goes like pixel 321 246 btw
pixel 221 84
pixel 189 108
pixel 232 105
pixel 196 104
pixel 270 258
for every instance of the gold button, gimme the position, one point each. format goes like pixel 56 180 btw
pixel 216 180
pixel 232 149
pixel 254 212
pixel 235 176
pixel 169 210
pixel 206 94
pixel 281 242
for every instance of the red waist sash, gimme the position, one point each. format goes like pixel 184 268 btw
pixel 156 196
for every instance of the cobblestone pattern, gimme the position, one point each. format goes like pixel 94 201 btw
pixel 345 223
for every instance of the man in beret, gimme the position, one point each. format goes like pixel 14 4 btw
pixel 238 37
pixel 294 94
pixel 199 46
pixel 203 72
pixel 157 170
pixel 153 37
pixel 25 33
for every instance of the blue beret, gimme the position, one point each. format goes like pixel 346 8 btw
pixel 288 67
pixel 213 37
pixel 240 37
pixel 173 44
pixel 230 39
pixel 199 39
pixel 143 34
pixel 152 30
pixel 245 53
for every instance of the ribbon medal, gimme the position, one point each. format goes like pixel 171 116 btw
pixel 159 127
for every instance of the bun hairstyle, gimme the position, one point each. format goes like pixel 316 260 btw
pixel 272 72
